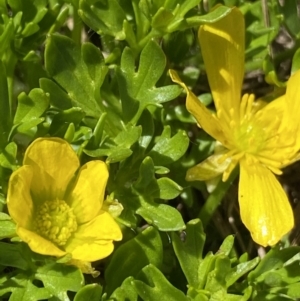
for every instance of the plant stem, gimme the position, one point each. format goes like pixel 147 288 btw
pixel 215 199
pixel 77 26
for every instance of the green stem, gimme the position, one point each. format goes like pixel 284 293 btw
pixel 10 69
pixel 215 199
pixel 142 24
pixel 137 116
pixel 77 25
pixel 10 85
pixel 152 34
pixel 253 65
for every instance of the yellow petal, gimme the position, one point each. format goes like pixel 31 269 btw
pixel 86 198
pixel 203 116
pixel 222 46
pixel 52 159
pixel 281 131
pixel 293 104
pixel 102 227
pixel 265 209
pixel 83 251
pixel 272 116
pixel 94 240
pixel 293 95
pixel 208 169
pixel 39 244
pixel 19 202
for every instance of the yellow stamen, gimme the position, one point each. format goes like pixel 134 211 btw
pixel 55 221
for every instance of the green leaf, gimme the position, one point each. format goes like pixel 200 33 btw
pixel 8 156
pixel 132 256
pixel 146 183
pixel 146 122
pixel 216 283
pixel 130 203
pixel 280 276
pixel 296 61
pixel 118 149
pixel 138 89
pixel 274 259
pixel 31 106
pixel 162 19
pixel 177 49
pixel 169 149
pixel 128 137
pixel 289 11
pixel 104 17
pixel 292 290
pixel 167 16
pixel 157 287
pixel 213 16
pixel 7 226
pixel 206 266
pixel 57 96
pixel 90 292
pixel 185 6
pixel 270 73
pixel 98 131
pixel 59 278
pixel 62 120
pixel 13 255
pixel 125 292
pixel 164 217
pixel 6 36
pixel 4 107
pixel 240 270
pixel 33 11
pixel 23 289
pixel 56 279
pixel 226 245
pixel 189 250
pixel 168 189
pixel 29 127
pixel 79 71
pixel 74 115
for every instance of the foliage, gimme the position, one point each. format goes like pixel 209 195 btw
pixel 95 73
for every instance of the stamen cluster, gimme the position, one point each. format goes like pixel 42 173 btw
pixel 55 221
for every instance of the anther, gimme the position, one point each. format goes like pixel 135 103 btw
pixel 55 221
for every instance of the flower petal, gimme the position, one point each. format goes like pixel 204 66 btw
pixel 52 159
pixel 39 244
pixel 203 116
pixel 19 200
pixel 91 251
pixel 86 198
pixel 208 169
pixel 94 240
pixel 293 95
pixel 265 209
pixel 272 116
pixel 293 104
pixel 222 46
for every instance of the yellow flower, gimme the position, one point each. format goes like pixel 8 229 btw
pixel 57 211
pixel 262 139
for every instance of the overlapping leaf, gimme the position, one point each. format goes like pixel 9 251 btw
pixel 138 88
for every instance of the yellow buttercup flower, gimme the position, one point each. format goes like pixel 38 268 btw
pixel 57 209
pixel 261 138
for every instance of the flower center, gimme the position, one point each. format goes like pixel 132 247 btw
pixel 55 221
pixel 249 135
pixel 250 138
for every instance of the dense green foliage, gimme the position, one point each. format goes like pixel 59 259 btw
pixel 95 72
